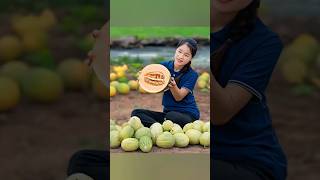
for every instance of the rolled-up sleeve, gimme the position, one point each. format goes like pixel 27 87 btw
pixel 189 81
pixel 253 74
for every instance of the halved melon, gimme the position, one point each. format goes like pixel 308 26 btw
pixel 101 52
pixel 154 78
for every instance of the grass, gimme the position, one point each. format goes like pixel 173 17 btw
pixel 159 32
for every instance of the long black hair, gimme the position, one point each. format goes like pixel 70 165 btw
pixel 240 27
pixel 193 46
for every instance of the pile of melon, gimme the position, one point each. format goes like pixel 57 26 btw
pixel 36 83
pixel 44 85
pixel 29 71
pixel 30 34
pixel 203 82
pixel 300 61
pixel 132 135
pixel 120 83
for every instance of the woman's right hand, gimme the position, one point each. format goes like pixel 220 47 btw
pixel 172 83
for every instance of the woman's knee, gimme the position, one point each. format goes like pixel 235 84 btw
pixel 137 112
pixel 76 160
pixel 178 118
pixel 79 155
pixel 171 116
pixel 88 157
pixel 90 162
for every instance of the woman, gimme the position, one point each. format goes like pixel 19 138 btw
pixel 93 164
pixel 244 53
pixel 178 101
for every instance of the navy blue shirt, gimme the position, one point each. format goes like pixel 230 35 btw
pixel 249 137
pixel 187 104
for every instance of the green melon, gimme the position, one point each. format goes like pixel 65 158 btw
pixel 130 144
pixel 187 127
pixel 194 136
pixel 294 71
pixel 9 93
pixel 145 144
pixel 114 139
pixel 181 140
pixel 205 139
pixel 197 125
pixel 10 48
pixel 123 88
pixel 176 129
pixel 156 130
pixel 143 131
pixel 206 127
pixel 126 132
pixel 42 85
pixel 167 125
pixel 165 140
pixel 14 70
pixel 135 122
pixel 75 74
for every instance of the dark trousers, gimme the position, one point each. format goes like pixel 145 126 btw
pixel 224 170
pixel 148 117
pixel 93 163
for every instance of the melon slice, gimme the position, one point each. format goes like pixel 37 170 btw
pixel 101 52
pixel 154 78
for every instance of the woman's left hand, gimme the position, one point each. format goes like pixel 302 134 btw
pixel 98 58
pixel 95 34
pixel 172 83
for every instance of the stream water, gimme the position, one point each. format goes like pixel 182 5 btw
pixel 146 54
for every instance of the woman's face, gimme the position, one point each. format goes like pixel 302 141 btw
pixel 183 55
pixel 229 6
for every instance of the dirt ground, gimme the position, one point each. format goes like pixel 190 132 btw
pixel 37 140
pixel 296 120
